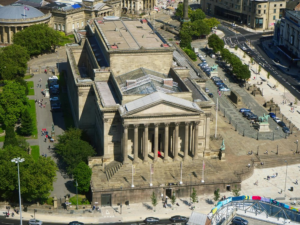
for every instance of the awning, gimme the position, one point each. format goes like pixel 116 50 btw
pixel 287 53
pixel 76 6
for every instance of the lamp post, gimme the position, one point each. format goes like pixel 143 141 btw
pixel 77 193
pixel 18 161
pixel 297 146
pixel 285 178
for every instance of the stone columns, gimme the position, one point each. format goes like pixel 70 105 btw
pixel 125 146
pixel 146 143
pixel 135 144
pixel 207 133
pixel 176 141
pixel 166 147
pixel 156 141
pixel 186 140
pixel 9 35
pixel 195 156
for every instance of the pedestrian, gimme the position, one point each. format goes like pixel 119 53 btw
pixel 45 139
pixel 296 181
pixel 49 147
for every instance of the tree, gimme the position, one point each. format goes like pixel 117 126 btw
pixel 191 54
pixel 82 174
pixel 26 123
pixel 197 14
pixel 13 61
pixel 10 137
pixel 36 178
pixel 226 54
pixel 268 75
pixel 179 11
pixel 200 28
pixel 185 39
pixel 216 43
pixel 216 194
pixel 154 200
pixel 173 200
pixel 236 47
pixel 236 191
pixel 13 102
pixel 194 196
pixel 21 81
pixel 37 38
pixel 211 22
pixel 72 149
pixel 241 71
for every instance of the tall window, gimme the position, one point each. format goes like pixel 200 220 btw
pixel 63 27
pixel 258 11
pixel 73 26
pixel 59 27
pixel 274 10
pixel 77 25
pixel 55 26
pixel 274 17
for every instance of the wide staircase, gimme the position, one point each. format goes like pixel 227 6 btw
pixel 270 161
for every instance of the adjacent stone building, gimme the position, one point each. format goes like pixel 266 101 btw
pixel 137 103
pixel 257 14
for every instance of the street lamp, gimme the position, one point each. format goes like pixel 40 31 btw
pixel 77 194
pixel 285 178
pixel 18 161
pixel 297 146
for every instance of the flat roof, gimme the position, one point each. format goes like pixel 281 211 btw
pixel 294 13
pixel 129 34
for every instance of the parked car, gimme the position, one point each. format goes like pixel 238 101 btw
pixel 224 89
pixel 276 119
pixel 176 219
pixel 35 222
pixel 239 221
pixel 244 48
pixel 246 113
pixel 54 99
pixel 282 124
pixel 76 223
pixel 252 116
pixel 206 90
pixel 286 130
pixel 151 220
pixel 215 78
pixel 211 95
pixel 272 115
pixel 244 110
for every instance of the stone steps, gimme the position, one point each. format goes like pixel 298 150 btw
pixel 111 169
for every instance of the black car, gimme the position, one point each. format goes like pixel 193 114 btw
pixel 211 95
pixel 76 223
pixel 247 113
pixel 239 221
pixel 252 117
pixel 151 220
pixel 176 219
pixel 282 124
pixel 286 130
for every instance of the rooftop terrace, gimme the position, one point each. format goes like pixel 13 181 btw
pixel 130 34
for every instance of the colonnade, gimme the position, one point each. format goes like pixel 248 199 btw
pixel 191 131
pixel 134 6
pixel 7 32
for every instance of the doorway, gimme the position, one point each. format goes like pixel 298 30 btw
pixel 106 200
pixel 169 193
pixel 228 188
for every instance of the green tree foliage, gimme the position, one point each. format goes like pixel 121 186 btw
pixel 21 81
pixel 216 43
pixel 38 38
pixel 10 137
pixel 36 178
pixel 154 200
pixel 13 102
pixel 26 123
pixel 197 14
pixel 226 55
pixel 199 27
pixel 13 61
pixel 191 54
pixel 211 22
pixel 179 11
pixel 242 71
pixel 72 149
pixel 236 191
pixel 217 194
pixel 173 200
pixel 194 196
pixel 82 174
pixel 185 39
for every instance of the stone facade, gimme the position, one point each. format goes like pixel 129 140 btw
pixel 138 6
pixel 259 15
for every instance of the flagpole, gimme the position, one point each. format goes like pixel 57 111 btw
pixel 132 170
pixel 180 172
pixel 150 174
pixel 203 167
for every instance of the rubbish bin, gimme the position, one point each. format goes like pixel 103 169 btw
pixel 292 188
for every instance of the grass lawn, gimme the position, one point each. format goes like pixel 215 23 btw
pixel 1 130
pixel 35 152
pixel 27 76
pixel 30 86
pixel 32 112
pixel 2 139
pixel 73 200
pixel 67 39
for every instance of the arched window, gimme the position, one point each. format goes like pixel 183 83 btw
pixel 55 26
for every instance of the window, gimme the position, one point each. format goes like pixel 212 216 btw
pixel 258 11
pixel 265 6
pixel 274 10
pixel 280 5
pixel 259 6
pixel 275 5
pixel 82 24
pixel 59 27
pixel 73 26
pixel 63 27
pixel 55 26
pixel 274 17
pixel 264 11
pixel 259 22
pixel 77 25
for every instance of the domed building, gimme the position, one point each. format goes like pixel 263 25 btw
pixel 16 17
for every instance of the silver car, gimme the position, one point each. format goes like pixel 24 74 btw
pixel 35 222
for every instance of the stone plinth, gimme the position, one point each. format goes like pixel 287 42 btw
pixel 264 127
pixel 222 155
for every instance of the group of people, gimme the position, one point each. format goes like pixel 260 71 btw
pixel 275 175
pixel 40 102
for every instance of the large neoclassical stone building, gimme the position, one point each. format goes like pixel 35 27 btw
pixel 136 101
pixel 14 18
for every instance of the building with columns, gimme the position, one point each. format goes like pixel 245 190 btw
pixel 138 6
pixel 14 18
pixel 135 100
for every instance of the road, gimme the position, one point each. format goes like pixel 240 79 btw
pixel 10 221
